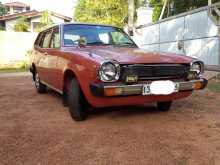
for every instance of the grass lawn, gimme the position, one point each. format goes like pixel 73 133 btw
pixel 13 70
pixel 214 85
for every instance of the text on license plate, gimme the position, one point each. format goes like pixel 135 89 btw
pixel 160 88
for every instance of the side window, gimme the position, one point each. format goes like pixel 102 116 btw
pixel 104 38
pixel 119 38
pixel 41 40
pixel 46 40
pixel 37 41
pixel 55 41
pixel 69 39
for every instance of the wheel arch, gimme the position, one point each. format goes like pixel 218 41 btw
pixel 69 74
pixel 67 77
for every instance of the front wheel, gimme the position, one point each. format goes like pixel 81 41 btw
pixel 164 106
pixel 76 101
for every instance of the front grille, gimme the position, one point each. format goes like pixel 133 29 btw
pixel 156 71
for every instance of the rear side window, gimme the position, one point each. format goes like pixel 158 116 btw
pixel 55 41
pixel 38 40
pixel 46 41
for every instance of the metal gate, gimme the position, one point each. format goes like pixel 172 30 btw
pixel 195 34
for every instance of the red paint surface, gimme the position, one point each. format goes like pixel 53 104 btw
pixel 85 61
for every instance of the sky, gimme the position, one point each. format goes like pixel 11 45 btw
pixel 64 7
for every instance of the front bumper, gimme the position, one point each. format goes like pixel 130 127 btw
pixel 109 90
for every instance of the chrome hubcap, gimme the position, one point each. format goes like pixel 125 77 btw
pixel 37 81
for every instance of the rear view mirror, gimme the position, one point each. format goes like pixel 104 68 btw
pixel 81 41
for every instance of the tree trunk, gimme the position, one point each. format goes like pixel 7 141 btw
pixel 130 16
pixel 163 10
pixel 210 3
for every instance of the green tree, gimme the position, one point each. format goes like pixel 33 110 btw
pixel 3 10
pixel 45 21
pixel 157 5
pixel 178 6
pixel 22 25
pixel 112 12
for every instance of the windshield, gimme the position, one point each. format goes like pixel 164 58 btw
pixel 95 35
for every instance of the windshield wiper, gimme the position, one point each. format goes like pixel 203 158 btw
pixel 126 44
pixel 97 43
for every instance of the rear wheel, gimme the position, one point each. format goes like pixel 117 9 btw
pixel 41 88
pixel 164 106
pixel 76 102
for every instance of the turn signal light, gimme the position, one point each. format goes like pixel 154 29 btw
pixel 198 85
pixel 113 91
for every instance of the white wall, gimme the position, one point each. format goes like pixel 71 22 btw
pixel 199 25
pixel 9 24
pixel 14 46
pixel 206 49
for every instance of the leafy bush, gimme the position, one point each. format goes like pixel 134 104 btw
pixel 2 28
pixel 22 25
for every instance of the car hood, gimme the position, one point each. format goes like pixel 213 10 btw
pixel 135 55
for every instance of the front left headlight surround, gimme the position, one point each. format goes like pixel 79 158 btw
pixel 196 69
pixel 109 71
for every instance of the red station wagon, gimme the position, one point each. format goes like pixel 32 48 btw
pixel 100 66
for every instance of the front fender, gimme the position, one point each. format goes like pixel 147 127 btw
pixel 85 71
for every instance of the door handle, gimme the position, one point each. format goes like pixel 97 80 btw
pixel 45 53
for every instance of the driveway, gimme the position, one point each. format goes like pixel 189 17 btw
pixel 37 129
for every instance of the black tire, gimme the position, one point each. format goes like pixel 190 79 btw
pixel 65 98
pixel 164 106
pixel 41 88
pixel 76 102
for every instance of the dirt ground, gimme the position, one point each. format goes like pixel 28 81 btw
pixel 37 129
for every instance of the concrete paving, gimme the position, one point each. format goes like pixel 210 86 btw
pixel 37 129
pixel 211 74
pixel 17 74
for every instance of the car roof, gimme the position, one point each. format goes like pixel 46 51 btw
pixel 89 24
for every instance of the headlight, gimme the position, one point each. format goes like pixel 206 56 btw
pixel 196 70
pixel 197 67
pixel 109 71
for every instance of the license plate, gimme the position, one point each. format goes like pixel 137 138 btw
pixel 160 88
